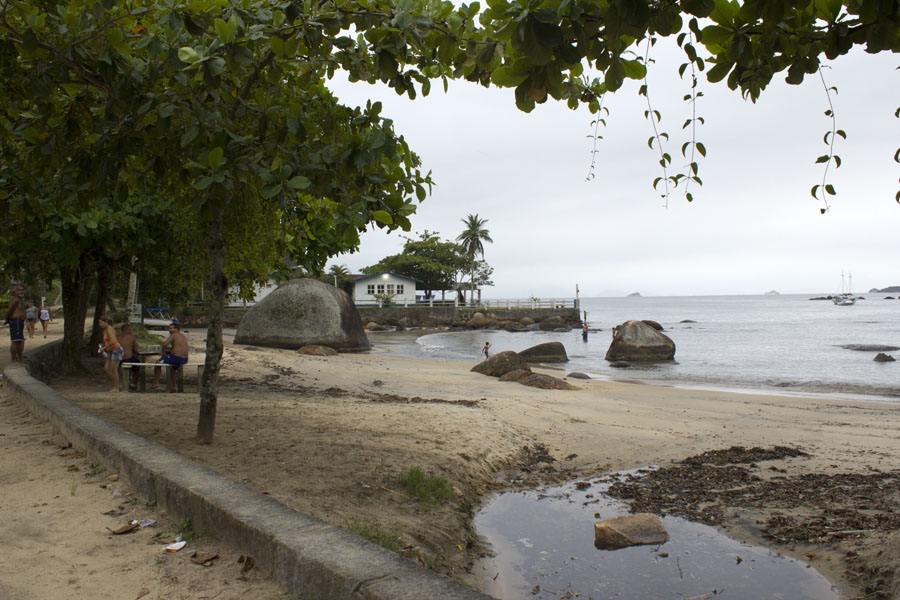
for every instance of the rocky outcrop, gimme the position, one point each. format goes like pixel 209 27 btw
pixel 549 352
pixel 304 312
pixel 630 530
pixel 653 324
pixel 500 364
pixel 545 382
pixel 882 357
pixel 554 324
pixel 636 341
pixel 515 375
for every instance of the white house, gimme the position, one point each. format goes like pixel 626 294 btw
pixel 383 289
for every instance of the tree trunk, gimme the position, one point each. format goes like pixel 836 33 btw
pixel 132 290
pixel 218 288
pixel 75 285
pixel 99 305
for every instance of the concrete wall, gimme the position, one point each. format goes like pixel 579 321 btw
pixel 313 559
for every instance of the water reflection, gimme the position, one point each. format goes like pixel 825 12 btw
pixel 544 545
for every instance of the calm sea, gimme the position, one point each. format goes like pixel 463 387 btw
pixel 770 343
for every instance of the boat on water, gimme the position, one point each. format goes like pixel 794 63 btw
pixel 845 298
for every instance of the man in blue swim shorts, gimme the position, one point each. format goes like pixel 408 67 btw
pixel 15 316
pixel 174 353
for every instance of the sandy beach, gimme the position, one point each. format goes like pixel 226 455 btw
pixel 329 436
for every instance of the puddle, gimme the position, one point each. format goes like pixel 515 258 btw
pixel 543 542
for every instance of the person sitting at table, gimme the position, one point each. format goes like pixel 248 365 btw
pixel 174 353
pixel 131 354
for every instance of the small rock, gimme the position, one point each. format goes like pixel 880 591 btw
pixel 377 382
pixel 882 357
pixel 315 350
pixel 619 364
pixel 578 375
pixel 630 530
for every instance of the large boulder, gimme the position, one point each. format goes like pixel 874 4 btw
pixel 636 341
pixel 500 364
pixel 304 312
pixel 630 530
pixel 549 352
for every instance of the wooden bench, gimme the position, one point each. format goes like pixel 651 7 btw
pixel 174 376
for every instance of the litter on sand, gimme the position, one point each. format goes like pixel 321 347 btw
pixel 176 546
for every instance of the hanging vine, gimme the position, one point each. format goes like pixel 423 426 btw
pixel 696 64
pixel 596 137
pixel 826 188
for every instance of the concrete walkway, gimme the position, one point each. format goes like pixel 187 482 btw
pixel 310 557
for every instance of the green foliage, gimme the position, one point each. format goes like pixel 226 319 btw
pixel 434 262
pixel 375 533
pixel 428 489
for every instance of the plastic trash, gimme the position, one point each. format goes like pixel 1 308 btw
pixel 175 547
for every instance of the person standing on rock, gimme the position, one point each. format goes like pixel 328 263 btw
pixel 174 353
pixel 15 317
pixel 487 346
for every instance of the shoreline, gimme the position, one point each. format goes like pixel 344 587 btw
pixel 330 436
pixel 762 389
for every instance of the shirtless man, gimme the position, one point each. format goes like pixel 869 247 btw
pixel 15 316
pixel 174 352
pixel 112 351
pixel 131 354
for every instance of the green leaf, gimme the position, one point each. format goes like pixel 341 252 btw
pixel 216 157
pixel 271 191
pixel 383 217
pixel 634 69
pixel 299 182
pixel 190 135
pixel 188 55
pixel 202 183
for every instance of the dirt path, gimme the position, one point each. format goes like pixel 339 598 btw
pixel 56 512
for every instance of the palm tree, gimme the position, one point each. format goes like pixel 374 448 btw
pixel 339 273
pixel 471 240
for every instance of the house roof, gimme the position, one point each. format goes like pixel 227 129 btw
pixel 363 276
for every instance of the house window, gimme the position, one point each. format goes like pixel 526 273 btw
pixel 380 288
pixel 390 289
pixel 370 289
pixel 400 289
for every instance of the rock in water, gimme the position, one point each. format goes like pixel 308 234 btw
pixel 637 341
pixel 882 357
pixel 630 530
pixel 549 352
pixel 304 312
pixel 501 363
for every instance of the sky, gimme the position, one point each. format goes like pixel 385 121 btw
pixel 752 227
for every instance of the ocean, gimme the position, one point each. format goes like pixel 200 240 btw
pixel 770 343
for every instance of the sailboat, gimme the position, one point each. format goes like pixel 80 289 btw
pixel 845 298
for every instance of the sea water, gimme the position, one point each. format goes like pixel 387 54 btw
pixel 778 343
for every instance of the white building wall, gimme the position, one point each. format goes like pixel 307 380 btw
pixel 364 290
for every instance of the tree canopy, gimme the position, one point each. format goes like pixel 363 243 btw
pixel 436 263
pixel 131 127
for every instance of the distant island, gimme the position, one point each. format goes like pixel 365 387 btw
pixel 634 295
pixel 772 293
pixel 888 290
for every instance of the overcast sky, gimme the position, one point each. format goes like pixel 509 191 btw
pixel 752 227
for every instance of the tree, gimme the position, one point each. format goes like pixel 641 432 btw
pixel 472 239
pixel 339 273
pixel 434 262
pixel 220 110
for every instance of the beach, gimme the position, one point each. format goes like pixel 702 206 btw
pixel 330 436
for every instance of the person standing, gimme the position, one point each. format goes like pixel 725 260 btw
pixel 44 316
pixel 112 351
pixel 174 353
pixel 130 353
pixel 487 347
pixel 30 319
pixel 15 317
pixel 584 332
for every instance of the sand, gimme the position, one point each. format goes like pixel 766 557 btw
pixel 330 436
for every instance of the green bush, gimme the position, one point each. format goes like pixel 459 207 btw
pixel 429 489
